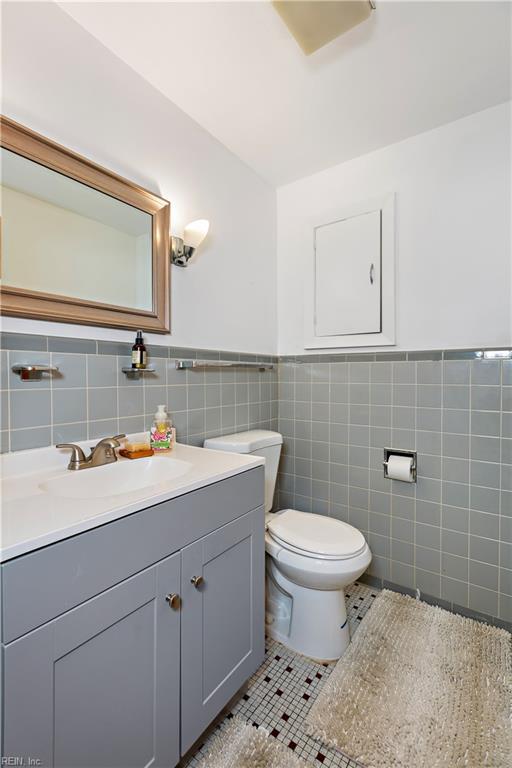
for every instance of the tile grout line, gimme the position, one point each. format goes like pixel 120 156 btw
pixel 9 401
pixel 87 393
pixel 391 494
pixel 349 428
pixel 441 505
pixel 52 427
pixel 500 495
pixel 470 453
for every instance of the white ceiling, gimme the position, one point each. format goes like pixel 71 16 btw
pixel 235 69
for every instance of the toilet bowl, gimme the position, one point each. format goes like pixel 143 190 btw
pixel 310 559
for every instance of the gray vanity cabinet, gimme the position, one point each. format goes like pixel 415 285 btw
pixel 222 640
pixel 100 669
pixel 100 685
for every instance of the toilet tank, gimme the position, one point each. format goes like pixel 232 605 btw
pixel 260 442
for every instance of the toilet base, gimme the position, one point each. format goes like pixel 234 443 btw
pixel 285 640
pixel 311 622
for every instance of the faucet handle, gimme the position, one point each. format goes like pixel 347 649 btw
pixel 113 442
pixel 104 452
pixel 77 455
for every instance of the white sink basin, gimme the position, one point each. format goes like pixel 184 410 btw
pixel 117 479
pixel 43 502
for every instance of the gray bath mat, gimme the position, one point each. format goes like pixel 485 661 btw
pixel 419 687
pixel 240 745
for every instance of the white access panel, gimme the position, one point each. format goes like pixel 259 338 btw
pixel 348 291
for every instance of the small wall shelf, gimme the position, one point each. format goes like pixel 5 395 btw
pixel 134 373
pixel 33 372
pixel 184 364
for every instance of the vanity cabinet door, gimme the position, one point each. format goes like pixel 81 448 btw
pixel 98 687
pixel 222 622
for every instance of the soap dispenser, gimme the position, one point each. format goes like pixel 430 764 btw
pixel 139 353
pixel 162 434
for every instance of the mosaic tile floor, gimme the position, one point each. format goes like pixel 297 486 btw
pixel 281 692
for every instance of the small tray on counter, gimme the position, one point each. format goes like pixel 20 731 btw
pixel 136 454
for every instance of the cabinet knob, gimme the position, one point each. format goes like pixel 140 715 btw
pixel 174 601
pixel 197 581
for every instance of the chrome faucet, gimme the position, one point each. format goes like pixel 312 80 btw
pixel 102 453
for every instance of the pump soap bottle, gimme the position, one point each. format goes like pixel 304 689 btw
pixel 162 434
pixel 139 353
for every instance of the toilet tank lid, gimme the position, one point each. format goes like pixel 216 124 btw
pixel 244 442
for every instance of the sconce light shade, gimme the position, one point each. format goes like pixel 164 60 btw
pixel 183 248
pixel 195 232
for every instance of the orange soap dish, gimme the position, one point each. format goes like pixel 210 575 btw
pixel 136 454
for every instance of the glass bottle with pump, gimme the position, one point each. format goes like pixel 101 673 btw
pixel 139 354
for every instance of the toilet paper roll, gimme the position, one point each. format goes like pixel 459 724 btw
pixel 400 468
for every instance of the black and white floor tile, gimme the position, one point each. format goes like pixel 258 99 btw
pixel 281 692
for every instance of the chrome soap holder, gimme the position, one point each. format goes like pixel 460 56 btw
pixel 33 372
pixel 134 373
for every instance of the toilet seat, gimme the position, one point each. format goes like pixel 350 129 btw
pixel 315 536
pixel 308 570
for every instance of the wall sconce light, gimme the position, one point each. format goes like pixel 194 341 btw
pixel 183 248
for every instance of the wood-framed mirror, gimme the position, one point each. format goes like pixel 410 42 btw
pixel 79 244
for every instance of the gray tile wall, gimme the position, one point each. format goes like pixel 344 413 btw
pixel 450 535
pixel 91 397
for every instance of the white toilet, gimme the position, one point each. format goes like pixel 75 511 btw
pixel 310 560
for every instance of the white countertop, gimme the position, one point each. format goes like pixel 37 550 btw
pixel 31 517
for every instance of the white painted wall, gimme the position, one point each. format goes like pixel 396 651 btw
pixel 452 185
pixel 67 86
pixel 453 202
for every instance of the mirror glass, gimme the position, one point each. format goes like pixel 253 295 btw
pixel 61 237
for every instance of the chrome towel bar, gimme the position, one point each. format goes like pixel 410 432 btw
pixel 184 364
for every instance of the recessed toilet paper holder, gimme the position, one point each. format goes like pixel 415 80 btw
pixel 388 452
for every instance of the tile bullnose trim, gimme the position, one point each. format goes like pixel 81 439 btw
pixel 476 353
pixel 66 344
pixel 43 343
